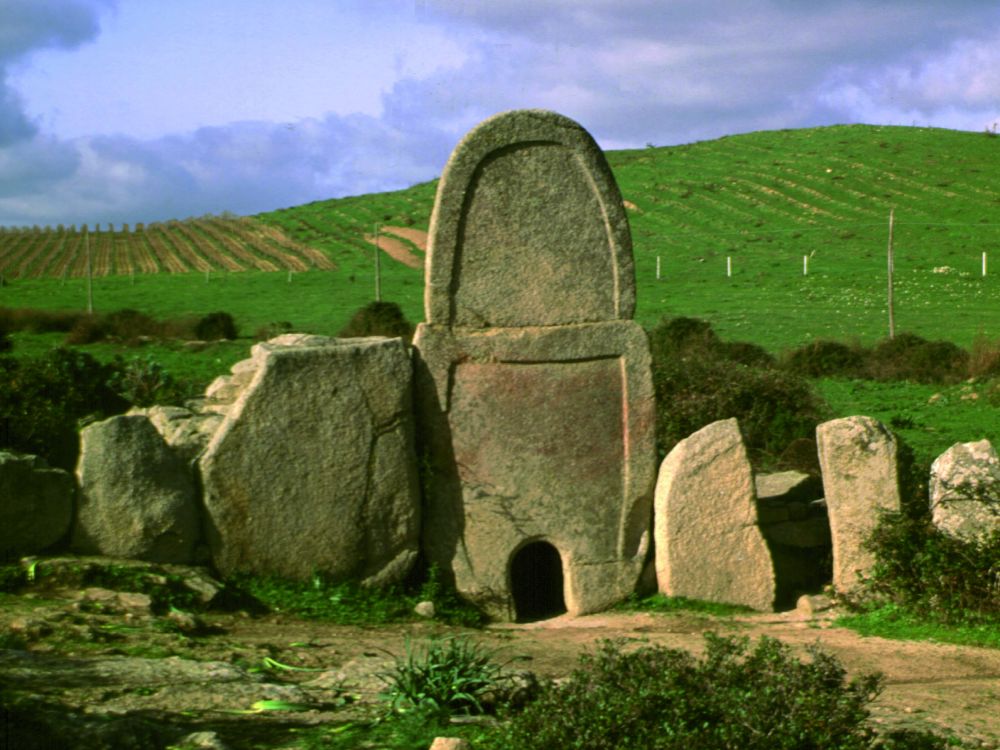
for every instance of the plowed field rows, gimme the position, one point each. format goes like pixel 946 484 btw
pixel 195 245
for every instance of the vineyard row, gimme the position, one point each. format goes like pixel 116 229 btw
pixel 195 245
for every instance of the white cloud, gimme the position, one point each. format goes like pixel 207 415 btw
pixel 958 88
pixel 631 71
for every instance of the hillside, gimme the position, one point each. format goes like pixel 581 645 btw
pixel 766 200
pixel 762 200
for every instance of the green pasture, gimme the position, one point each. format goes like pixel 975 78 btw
pixel 763 200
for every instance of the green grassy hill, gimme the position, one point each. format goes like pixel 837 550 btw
pixel 763 199
pixel 766 200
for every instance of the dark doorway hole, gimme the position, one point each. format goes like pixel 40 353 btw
pixel 536 582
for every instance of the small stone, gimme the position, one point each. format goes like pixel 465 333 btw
pixel 810 605
pixel 450 743
pixel 424 609
pixel 134 601
pixel 29 628
pixel 201 741
pixel 185 621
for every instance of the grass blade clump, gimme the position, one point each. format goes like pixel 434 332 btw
pixel 450 675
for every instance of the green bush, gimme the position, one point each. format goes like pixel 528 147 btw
pixel 215 326
pixel 657 698
pixel 910 357
pixel 696 383
pixel 378 319
pixel 42 400
pixel 934 575
pixel 143 381
pixel 822 359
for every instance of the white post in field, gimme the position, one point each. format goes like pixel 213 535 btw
pixel 658 266
pixel 805 265
pixel 729 266
pixel 984 263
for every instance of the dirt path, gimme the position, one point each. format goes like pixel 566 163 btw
pixel 98 653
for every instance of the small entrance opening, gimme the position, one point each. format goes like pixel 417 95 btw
pixel 536 582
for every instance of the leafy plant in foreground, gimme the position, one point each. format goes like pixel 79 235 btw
pixel 932 574
pixel 450 675
pixel 657 698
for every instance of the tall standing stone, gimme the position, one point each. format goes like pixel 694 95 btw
pixel 965 491
pixel 312 469
pixel 534 389
pixel 857 456
pixel 708 544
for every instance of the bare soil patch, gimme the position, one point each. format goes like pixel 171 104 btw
pixel 417 236
pixel 101 661
pixel 396 249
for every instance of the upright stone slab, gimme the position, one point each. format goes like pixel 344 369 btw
pixel 857 456
pixel 137 497
pixel 965 490
pixel 36 504
pixel 708 544
pixel 534 390
pixel 313 470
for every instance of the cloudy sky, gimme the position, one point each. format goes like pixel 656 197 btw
pixel 141 110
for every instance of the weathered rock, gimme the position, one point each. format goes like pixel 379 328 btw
pixel 539 431
pixel 788 487
pixel 965 490
pixel 186 431
pixel 860 478
pixel 810 606
pixel 424 609
pixel 313 469
pixel 708 545
pixel 36 504
pixel 528 229
pixel 137 497
pixel 450 743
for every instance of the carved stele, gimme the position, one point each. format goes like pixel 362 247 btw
pixel 534 390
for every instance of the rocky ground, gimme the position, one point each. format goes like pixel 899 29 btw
pixel 84 666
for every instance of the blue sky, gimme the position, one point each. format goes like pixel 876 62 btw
pixel 143 110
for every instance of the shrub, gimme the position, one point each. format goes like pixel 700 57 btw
pixel 984 359
pixel 821 359
pixel 42 399
pixel 661 699
pixel 128 326
pixel 87 329
pixel 37 321
pixel 143 381
pixel 215 326
pixel 269 331
pixel 378 319
pixel 697 381
pixel 910 357
pixel 934 575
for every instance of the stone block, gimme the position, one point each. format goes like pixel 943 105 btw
pixel 313 469
pixel 708 544
pixel 860 478
pixel 137 496
pixel 965 491
pixel 36 504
